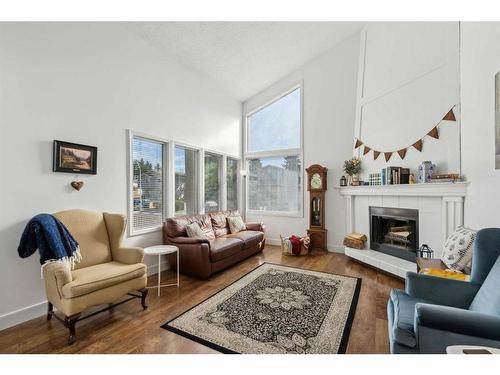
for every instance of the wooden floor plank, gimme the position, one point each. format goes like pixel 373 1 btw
pixel 129 329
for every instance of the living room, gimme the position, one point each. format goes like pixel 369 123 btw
pixel 254 187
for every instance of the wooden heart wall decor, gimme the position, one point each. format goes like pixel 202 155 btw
pixel 418 145
pixel 77 185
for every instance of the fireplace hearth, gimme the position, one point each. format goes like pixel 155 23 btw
pixel 394 231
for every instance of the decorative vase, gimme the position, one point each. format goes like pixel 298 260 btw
pixel 425 172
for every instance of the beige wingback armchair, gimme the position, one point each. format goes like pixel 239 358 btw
pixel 107 272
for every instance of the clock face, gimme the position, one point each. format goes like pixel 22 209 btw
pixel 316 181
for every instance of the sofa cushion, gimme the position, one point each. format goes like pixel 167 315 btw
pixel 89 279
pixel 219 222
pixel 487 300
pixel 176 226
pixel 249 237
pixel 223 247
pixel 404 313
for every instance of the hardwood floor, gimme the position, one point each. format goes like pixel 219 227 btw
pixel 129 329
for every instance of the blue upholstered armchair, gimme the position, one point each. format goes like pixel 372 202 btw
pixel 433 313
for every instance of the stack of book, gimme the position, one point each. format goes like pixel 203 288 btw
pixel 395 176
pixel 449 177
pixel 355 240
pixel 375 179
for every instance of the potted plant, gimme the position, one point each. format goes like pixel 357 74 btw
pixel 352 168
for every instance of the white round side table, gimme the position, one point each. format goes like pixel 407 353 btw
pixel 162 250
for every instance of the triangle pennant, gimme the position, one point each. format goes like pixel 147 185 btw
pixel 366 150
pixel 450 116
pixel 375 154
pixel 358 143
pixel 387 155
pixel 418 145
pixel 434 133
pixel 402 153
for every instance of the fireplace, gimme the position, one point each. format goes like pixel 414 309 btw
pixel 394 231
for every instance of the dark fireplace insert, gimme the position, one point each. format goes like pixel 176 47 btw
pixel 394 231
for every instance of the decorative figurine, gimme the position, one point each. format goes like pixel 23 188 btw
pixel 425 251
pixel 343 181
pixel 425 172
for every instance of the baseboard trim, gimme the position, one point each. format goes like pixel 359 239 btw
pixel 22 315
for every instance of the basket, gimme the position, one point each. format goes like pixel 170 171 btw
pixel 304 246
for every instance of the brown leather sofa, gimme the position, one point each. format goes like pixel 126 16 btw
pixel 202 257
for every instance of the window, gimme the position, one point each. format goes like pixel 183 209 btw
pixel 186 181
pixel 274 184
pixel 212 182
pixel 232 183
pixel 276 126
pixel 274 156
pixel 147 184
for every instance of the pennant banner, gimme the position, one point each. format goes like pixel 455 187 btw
pixel 402 153
pixel 434 133
pixel 418 145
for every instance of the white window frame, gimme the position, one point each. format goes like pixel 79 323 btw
pixel 169 179
pixel 165 188
pixel 281 152
pixel 198 151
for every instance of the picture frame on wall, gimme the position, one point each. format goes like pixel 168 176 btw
pixel 74 158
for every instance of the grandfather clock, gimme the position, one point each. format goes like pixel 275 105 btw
pixel 316 185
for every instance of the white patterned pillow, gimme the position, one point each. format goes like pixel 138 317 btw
pixel 194 231
pixel 236 224
pixel 457 250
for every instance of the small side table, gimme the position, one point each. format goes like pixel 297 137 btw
pixel 163 250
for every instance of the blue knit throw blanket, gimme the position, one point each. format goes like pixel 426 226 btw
pixel 52 239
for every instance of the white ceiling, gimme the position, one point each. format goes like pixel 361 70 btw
pixel 244 57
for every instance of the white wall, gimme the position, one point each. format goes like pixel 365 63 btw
pixel 408 80
pixel 87 83
pixel 480 61
pixel 329 98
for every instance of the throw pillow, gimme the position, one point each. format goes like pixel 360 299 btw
pixel 457 251
pixel 193 230
pixel 236 224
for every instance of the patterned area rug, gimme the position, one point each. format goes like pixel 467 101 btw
pixel 275 309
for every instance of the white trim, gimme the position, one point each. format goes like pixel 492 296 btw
pixel 275 213
pixel 22 315
pixel 197 173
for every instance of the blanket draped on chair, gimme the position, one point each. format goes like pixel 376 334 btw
pixel 53 240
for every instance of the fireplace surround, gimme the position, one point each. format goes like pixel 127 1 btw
pixel 394 231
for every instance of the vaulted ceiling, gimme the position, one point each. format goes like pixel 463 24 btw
pixel 244 57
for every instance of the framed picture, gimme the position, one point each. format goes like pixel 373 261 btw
pixel 74 158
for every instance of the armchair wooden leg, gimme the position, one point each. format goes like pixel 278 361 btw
pixel 70 322
pixel 50 311
pixel 144 294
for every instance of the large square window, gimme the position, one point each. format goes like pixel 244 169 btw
pixel 274 184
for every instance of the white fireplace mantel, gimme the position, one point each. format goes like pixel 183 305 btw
pixel 441 211
pixel 458 189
